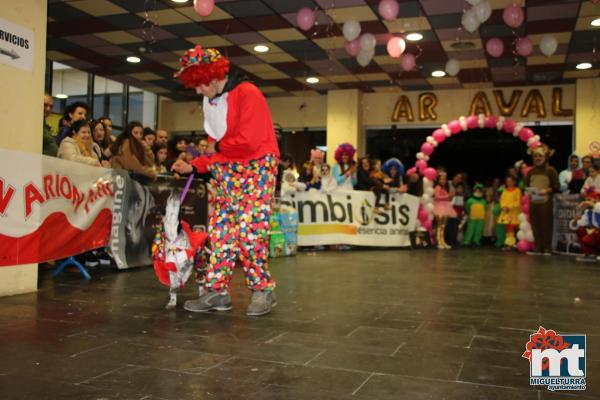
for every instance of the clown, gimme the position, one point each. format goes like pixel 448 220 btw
pixel 344 171
pixel 244 165
pixel 475 209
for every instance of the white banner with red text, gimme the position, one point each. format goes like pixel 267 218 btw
pixel 51 208
pixel 348 218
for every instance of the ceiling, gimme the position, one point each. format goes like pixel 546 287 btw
pixel 97 36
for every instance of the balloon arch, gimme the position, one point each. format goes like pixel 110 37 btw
pixel 454 127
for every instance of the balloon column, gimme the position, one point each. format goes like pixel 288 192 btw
pixel 525 234
pixel 455 127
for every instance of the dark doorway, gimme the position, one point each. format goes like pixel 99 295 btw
pixel 299 143
pixel 482 153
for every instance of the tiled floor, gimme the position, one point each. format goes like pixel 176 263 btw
pixel 349 325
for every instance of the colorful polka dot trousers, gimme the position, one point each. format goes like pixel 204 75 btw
pixel 239 223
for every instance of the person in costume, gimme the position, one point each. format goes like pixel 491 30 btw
pixel 572 179
pixel 328 182
pixel 475 209
pixel 541 182
pixel 510 208
pixel 344 171
pixel 587 227
pixel 243 165
pixel 394 170
pixel 442 208
pixel 492 212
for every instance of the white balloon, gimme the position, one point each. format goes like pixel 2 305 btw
pixel 473 2
pixel 420 156
pixel 529 237
pixel 452 67
pixel 429 191
pixel 425 198
pixel 368 42
pixel 429 207
pixel 351 30
pixel 365 57
pixel 522 217
pixel 548 45
pixel 520 235
pixel 470 21
pixel 427 184
pixel 483 11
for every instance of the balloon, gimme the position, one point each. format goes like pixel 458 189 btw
pixel 429 207
pixel 388 9
pixel 305 18
pixel 523 246
pixel 491 121
pixel 524 46
pixel 472 122
pixel 422 214
pixel 408 62
pixel 367 42
pixel 469 21
pixel 473 2
pixel 425 198
pixel 427 148
pixel 427 224
pixel 452 67
pixel 411 171
pixel 439 135
pixel 421 165
pixel 525 209
pixel 365 57
pixel 204 7
pixel 513 16
pixel 525 134
pixel 509 126
pixel 396 46
pixel 353 47
pixel 548 45
pixel 454 126
pixel 483 11
pixel 525 200
pixel 351 30
pixel 520 235
pixel 430 173
pixel 529 238
pixel 429 190
pixel 494 47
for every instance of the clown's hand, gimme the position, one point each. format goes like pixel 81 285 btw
pixel 182 167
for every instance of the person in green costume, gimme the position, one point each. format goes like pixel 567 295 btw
pixel 475 209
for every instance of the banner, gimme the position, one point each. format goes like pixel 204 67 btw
pixel 51 208
pixel 564 239
pixel 138 210
pixel 348 218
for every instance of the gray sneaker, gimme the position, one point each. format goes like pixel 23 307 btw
pixel 262 303
pixel 209 301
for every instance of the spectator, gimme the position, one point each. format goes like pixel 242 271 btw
pixel 366 182
pixel 49 146
pixel 328 182
pixel 394 170
pixel 77 146
pixel 101 140
pixel 132 154
pixel 149 137
pixel 74 112
pixel 286 162
pixel 289 184
pixel 160 159
pixel 344 171
pixel 571 179
pixel 310 177
pixel 203 146
pixel 586 163
pixel 162 137
pixel 592 183
pixel 108 127
pixel 383 183
pixel 442 208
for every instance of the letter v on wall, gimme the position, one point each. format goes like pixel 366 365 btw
pixel 5 197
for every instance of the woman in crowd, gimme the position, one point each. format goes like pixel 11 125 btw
pixel 77 145
pixel 366 182
pixel 344 171
pixel 442 208
pixel 149 136
pixel 160 158
pixel 102 142
pixel 592 183
pixel 130 153
pixel 394 169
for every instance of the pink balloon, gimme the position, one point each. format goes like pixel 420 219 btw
pixel 513 16
pixel 524 200
pixel 204 7
pixel 523 246
pixel 494 47
pixel 427 149
pixel 421 165
pixel 525 208
pixel 525 134
pixel 509 126
pixel 396 46
pixel 524 46
pixel 439 135
pixel 389 9
pixel 472 122
pixel 353 47
pixel 430 173
pixel 454 126
pixel 423 216
pixel 411 171
pixel 305 18
pixel 491 121
pixel 408 61
pixel 427 224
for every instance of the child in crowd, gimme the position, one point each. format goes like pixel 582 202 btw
pixel 510 208
pixel 442 208
pixel 454 227
pixel 160 159
pixel 587 225
pixel 592 183
pixel 383 182
pixel 149 137
pixel 344 171
pixel 328 182
pixel 289 183
pixel 475 209
pixel 366 182
pixel 492 212
pixel 309 177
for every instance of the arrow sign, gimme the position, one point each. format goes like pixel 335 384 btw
pixel 12 54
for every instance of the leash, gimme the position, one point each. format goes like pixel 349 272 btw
pixel 186 188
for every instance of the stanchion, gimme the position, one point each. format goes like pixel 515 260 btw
pixel 72 261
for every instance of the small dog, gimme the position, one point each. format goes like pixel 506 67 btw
pixel 178 251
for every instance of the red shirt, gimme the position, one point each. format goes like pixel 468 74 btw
pixel 249 134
